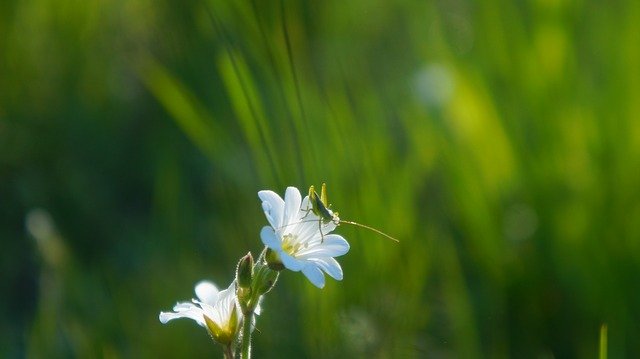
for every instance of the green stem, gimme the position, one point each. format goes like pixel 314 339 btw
pixel 603 342
pixel 246 336
pixel 228 352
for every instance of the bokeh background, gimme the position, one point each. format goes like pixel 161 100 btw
pixel 498 140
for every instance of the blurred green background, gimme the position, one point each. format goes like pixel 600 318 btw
pixel 498 140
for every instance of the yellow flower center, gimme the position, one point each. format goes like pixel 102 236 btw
pixel 290 244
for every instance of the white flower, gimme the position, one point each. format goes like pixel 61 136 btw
pixel 300 239
pixel 214 310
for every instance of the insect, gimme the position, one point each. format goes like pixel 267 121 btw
pixel 320 207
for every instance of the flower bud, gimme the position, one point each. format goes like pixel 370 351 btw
pixel 265 279
pixel 244 280
pixel 244 271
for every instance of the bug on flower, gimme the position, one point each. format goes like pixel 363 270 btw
pixel 320 207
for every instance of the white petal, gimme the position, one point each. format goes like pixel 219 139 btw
pixel 313 229
pixel 306 204
pixel 211 312
pixel 165 317
pixel 291 263
pixel 220 311
pixel 329 226
pixel 207 292
pixel 194 313
pixel 309 228
pixel 314 275
pixel 330 266
pixel 231 290
pixel 333 246
pixel 269 238
pixel 292 200
pixel 181 307
pixel 273 207
pixel 227 301
pixel 258 308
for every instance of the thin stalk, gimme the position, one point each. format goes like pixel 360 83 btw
pixel 228 351
pixel 603 342
pixel 246 336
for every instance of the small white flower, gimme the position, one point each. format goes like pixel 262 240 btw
pixel 300 239
pixel 214 310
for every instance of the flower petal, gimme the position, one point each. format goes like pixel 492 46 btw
pixel 292 200
pixel 269 238
pixel 309 228
pixel 334 245
pixel 305 206
pixel 330 266
pixel 273 207
pixel 290 262
pixel 329 226
pixel 211 312
pixel 193 312
pixel 181 307
pixel 207 292
pixel 314 274
pixel 221 312
pixel 258 309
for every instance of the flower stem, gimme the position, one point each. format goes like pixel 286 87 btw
pixel 228 352
pixel 246 337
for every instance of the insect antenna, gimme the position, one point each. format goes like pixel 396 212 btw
pixel 372 229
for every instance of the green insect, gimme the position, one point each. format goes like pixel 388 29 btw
pixel 320 207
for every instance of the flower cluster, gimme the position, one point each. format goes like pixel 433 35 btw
pixel 295 239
